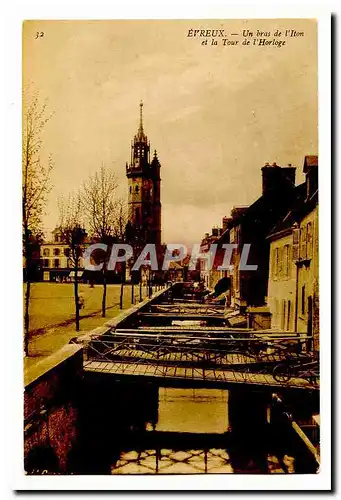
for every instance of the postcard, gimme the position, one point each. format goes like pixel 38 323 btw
pixel 171 278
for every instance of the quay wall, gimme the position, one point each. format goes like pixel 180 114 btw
pixel 51 396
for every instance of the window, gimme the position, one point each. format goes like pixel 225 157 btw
pixel 46 263
pixel 309 240
pixel 46 252
pixel 303 243
pixel 296 236
pixel 69 263
pixel 303 300
pixel 56 263
pixel 56 238
pixel 67 252
pixel 56 251
pixel 295 243
pixel 295 252
pixel 130 190
pixel 277 262
pixel 136 189
pixel 286 260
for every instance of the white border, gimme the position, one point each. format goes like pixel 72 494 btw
pixel 11 198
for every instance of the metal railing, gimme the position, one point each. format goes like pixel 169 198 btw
pixel 249 354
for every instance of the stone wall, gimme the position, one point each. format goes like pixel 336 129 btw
pixel 51 396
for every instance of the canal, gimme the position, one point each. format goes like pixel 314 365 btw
pixel 130 428
pixel 124 416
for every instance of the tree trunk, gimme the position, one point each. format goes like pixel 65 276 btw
pixel 27 313
pixel 104 297
pixel 76 299
pixel 132 289
pixel 122 288
pixel 150 291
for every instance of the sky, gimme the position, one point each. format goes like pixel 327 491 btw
pixel 215 114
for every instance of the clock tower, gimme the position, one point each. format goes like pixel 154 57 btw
pixel 144 205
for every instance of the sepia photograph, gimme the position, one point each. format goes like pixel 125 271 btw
pixel 170 247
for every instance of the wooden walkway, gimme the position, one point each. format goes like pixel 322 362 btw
pixel 187 376
pixel 144 346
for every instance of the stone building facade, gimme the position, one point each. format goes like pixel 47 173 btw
pixel 293 289
pixel 56 263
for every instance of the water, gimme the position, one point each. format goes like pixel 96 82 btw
pixel 192 410
pixel 138 428
pixel 185 439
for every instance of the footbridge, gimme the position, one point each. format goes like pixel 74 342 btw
pixel 173 342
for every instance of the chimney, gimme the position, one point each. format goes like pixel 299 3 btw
pixel 310 168
pixel 276 179
pixel 215 231
pixel 238 211
pixel 226 221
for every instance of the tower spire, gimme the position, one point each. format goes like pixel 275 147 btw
pixel 141 118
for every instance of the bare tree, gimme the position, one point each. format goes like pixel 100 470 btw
pixel 74 235
pixel 35 189
pixel 121 219
pixel 104 211
pixel 120 235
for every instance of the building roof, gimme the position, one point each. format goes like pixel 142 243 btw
pixel 257 213
pixel 301 207
pixel 265 205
